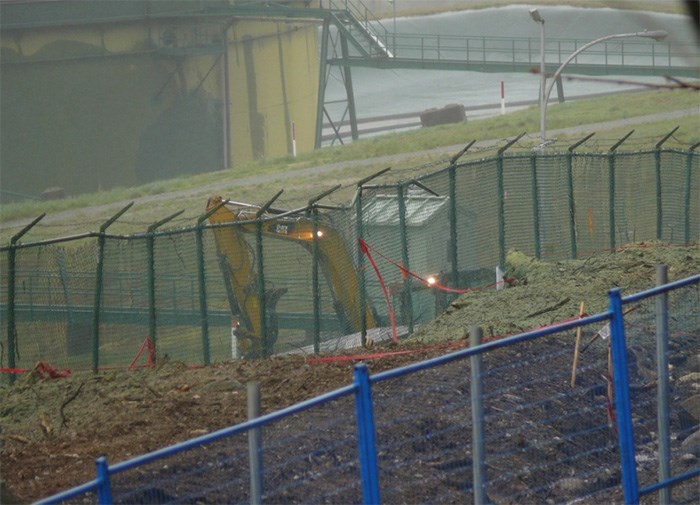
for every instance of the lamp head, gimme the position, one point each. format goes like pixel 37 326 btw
pixel 657 35
pixel 535 15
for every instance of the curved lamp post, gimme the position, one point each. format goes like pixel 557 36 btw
pixel 657 35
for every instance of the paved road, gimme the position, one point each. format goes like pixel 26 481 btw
pixel 207 190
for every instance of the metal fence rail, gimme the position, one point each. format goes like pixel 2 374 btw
pixel 499 420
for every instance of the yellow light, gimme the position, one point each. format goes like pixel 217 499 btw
pixel 431 280
pixel 319 233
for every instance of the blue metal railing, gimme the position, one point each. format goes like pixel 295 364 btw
pixel 362 388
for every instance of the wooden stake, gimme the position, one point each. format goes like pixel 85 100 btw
pixel 576 349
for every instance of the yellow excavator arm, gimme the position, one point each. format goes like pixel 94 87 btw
pixel 238 264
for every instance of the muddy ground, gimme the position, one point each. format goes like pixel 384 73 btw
pixel 51 430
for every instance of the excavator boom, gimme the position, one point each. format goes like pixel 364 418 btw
pixel 238 265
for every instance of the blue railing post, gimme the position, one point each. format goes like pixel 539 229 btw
pixel 618 346
pixel 104 488
pixel 369 472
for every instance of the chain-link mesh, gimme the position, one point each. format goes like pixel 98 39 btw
pixel 644 329
pixel 307 457
pixel 177 289
pixel 550 427
pixel 424 454
pixel 546 439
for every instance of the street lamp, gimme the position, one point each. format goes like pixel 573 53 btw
pixel 393 36
pixel 657 35
pixel 535 15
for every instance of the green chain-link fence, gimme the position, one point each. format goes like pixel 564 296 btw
pixel 95 301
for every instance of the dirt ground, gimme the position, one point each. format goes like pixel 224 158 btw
pixel 51 430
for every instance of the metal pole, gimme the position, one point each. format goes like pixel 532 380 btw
pixel 360 266
pixel 572 200
pixel 99 272
pixel 202 280
pixel 266 344
pixel 501 202
pixel 369 471
pixel 535 207
pixel 254 444
pixel 360 257
pixel 662 392
pixel 659 206
pixel 11 283
pixel 655 34
pixel 350 93
pixel 625 438
pixel 314 282
pixel 104 488
pixel 453 250
pixel 611 187
pixel 688 190
pixel 322 81
pixel 478 465
pixel 407 295
pixel 151 273
pixel 543 84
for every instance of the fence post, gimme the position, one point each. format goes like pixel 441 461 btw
pixel 99 272
pixel 104 488
pixel 359 221
pixel 501 202
pixel 407 298
pixel 360 264
pixel 535 207
pixel 477 399
pixel 150 270
pixel 202 279
pixel 618 346
pixel 611 187
pixel 453 250
pixel 688 184
pixel 662 405
pixel 255 445
pixel 314 281
pixel 11 280
pixel 315 288
pixel 659 207
pixel 572 201
pixel 367 444
pixel 259 251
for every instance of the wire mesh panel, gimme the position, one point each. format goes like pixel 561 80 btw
pixel 591 195
pixel 553 207
pixel 54 293
pixel 305 457
pixel 674 414
pixel 177 301
pixel 423 425
pixel 520 182
pixel 215 472
pixel 477 201
pixel 674 181
pixel 635 198
pixel 546 440
pixel 124 302
pixel 312 456
pixel 381 230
